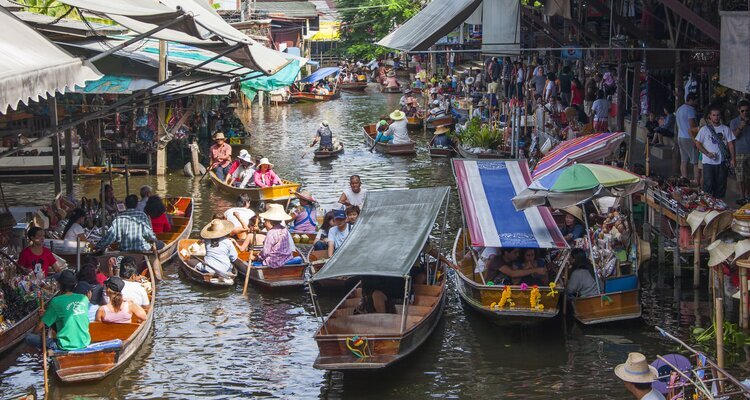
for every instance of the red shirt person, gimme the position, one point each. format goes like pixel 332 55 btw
pixel 157 212
pixel 36 257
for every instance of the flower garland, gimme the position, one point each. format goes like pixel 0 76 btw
pixel 535 299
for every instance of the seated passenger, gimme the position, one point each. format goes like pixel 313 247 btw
pixel 441 138
pixel 130 229
pixel 220 251
pixel 531 262
pixel 305 216
pixel 352 213
pixel 500 270
pixel 118 310
pixel 242 176
pixel 373 299
pixel 277 248
pixel 241 216
pixel 338 232
pixel 73 229
pixel 236 163
pixel 67 314
pixel 320 242
pixel 133 290
pixel 88 275
pixel 156 210
pixel 84 288
pixel 264 175
pixel 573 229
pixel 582 282
pixel 391 81
pixel 36 258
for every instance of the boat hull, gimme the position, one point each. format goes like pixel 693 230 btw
pixel 413 123
pixel 197 277
pixel 16 334
pixel 300 97
pixel 285 277
pixel 390 90
pixel 609 307
pixel 182 225
pixel 323 154
pixel 353 86
pixel 274 193
pixel 433 123
pixel 396 149
pixel 471 156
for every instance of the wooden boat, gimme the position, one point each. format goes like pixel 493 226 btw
pixel 286 277
pixel 464 153
pixel 112 345
pixel 433 123
pixel 413 123
pixel 15 334
pixel 180 210
pixel 384 89
pixel 353 86
pixel 484 298
pixel 440 152
pixel 384 341
pixel 397 149
pixel 94 171
pixel 322 154
pixel 206 279
pixel 305 97
pixel 274 193
pixel 620 301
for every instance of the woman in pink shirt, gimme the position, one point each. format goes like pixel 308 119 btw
pixel 221 156
pixel 118 310
pixel 264 175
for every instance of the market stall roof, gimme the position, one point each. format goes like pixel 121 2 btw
pixel 486 188
pixel 68 26
pixel 288 9
pixel 204 29
pixel 436 20
pixel 390 233
pixel 32 67
pixel 114 84
pixel 587 148
pixel 320 74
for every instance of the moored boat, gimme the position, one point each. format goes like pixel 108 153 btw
pixel 433 123
pixel 180 211
pixel 619 301
pixel 112 345
pixel 304 97
pixel 272 193
pixel 349 340
pixel 385 89
pixel 440 152
pixel 16 333
pixel 207 279
pixel 388 148
pixel 284 277
pixel 353 86
pixel 323 154
pixel 413 123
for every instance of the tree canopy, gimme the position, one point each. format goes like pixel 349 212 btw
pixel 364 22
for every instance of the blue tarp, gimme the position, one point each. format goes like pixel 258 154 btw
pixel 320 74
pixel 281 79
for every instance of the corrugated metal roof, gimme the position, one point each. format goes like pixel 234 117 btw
pixel 295 9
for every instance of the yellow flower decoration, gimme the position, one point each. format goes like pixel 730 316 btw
pixel 505 298
pixel 552 290
pixel 534 298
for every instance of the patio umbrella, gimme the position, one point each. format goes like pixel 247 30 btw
pixel 582 149
pixel 577 184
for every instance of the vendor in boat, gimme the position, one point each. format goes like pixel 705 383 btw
pixel 110 202
pixel 157 213
pixel 324 137
pixel 338 232
pixel 277 248
pixel 441 138
pixel 418 84
pixel 145 192
pixel 582 281
pixel 638 377
pixel 243 174
pixel 220 251
pixel 131 230
pixel 264 175
pixel 573 228
pixel 220 156
pixel 411 110
pixel 500 270
pixel 73 229
pixel 305 215
pixel 67 314
pixel 391 81
pixel 479 111
pixel 36 258
pixel 354 195
pixel 397 130
pixel 402 102
pixel 118 310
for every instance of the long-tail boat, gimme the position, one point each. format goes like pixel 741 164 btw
pixel 272 193
pixel 349 340
pixel 371 132
pixel 485 189
pixel 112 345
pixel 207 279
pixel 300 96
pixel 353 86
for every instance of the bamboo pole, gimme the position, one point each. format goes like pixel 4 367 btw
pixel 44 349
pixel 743 299
pixel 697 259
pixel 719 305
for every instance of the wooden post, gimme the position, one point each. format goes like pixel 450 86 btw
pixel 56 169
pixel 635 113
pixel 719 305
pixel 744 322
pixel 161 111
pixel 620 94
pixel 69 162
pixel 697 259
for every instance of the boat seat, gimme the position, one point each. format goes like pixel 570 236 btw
pixel 167 237
pixel 620 284
pixel 369 324
pixel 426 301
pixel 418 311
pixel 103 331
pixel 114 344
pixel 351 302
pixel 427 290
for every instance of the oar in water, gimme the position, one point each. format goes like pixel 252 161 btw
pixel 208 171
pixel 308 150
pixel 250 259
pixel 44 348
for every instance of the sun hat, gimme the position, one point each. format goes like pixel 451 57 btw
pixel 82 287
pixel 574 211
pixel 264 161
pixel 115 284
pixel 741 249
pixel 397 115
pixel 219 135
pixel 644 250
pixel 719 251
pixel 636 370
pixel 717 221
pixel 695 219
pixel 390 74
pixel 339 214
pixel 216 229
pixel 275 212
pixel 441 129
pixel 245 157
pixel 67 277
pixel 305 195
pixel 323 123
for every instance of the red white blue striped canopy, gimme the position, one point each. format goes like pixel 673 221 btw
pixel 584 149
pixel 486 188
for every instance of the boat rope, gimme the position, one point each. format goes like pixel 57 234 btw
pixel 359 346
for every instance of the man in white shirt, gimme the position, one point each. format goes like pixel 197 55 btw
pixel 240 216
pixel 716 142
pixel 146 191
pixel 687 128
pixel 354 195
pixel 398 128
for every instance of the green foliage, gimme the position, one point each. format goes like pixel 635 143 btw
pixel 734 338
pixel 55 9
pixel 364 22
pixel 480 135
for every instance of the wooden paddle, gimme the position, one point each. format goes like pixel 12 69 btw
pixel 44 348
pixel 250 259
pixel 158 271
pixel 208 171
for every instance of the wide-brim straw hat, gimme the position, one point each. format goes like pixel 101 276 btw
pixel 390 73
pixel 741 249
pixel 397 115
pixel 741 227
pixel 441 130
pixel 717 222
pixel 219 135
pixel 695 219
pixel 275 212
pixel 574 211
pixel 264 161
pixel 644 250
pixel 217 228
pixel 636 370
pixel 719 251
pixel 305 195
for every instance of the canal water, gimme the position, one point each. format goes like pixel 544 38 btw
pixel 209 344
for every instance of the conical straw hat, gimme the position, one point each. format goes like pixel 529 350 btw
pixel 717 222
pixel 216 229
pixel 719 252
pixel 275 212
pixel 741 249
pixel 644 251
pixel 695 219
pixel 574 211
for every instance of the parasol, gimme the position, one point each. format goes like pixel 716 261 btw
pixel 583 149
pixel 576 184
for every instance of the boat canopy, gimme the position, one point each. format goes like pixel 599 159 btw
pixel 389 234
pixel 320 74
pixel 486 188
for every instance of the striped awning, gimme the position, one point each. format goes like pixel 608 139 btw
pixel 582 149
pixel 486 188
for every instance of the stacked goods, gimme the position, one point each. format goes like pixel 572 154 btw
pixel 19 294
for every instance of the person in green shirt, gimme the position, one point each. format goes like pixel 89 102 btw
pixel 67 314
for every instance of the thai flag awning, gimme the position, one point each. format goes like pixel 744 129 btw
pixel 584 149
pixel 486 188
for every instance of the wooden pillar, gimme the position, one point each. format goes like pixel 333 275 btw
pixel 679 98
pixel 697 258
pixel 56 169
pixel 635 112
pixel 69 162
pixel 744 322
pixel 161 153
pixel 620 95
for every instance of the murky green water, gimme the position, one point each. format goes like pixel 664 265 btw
pixel 209 344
